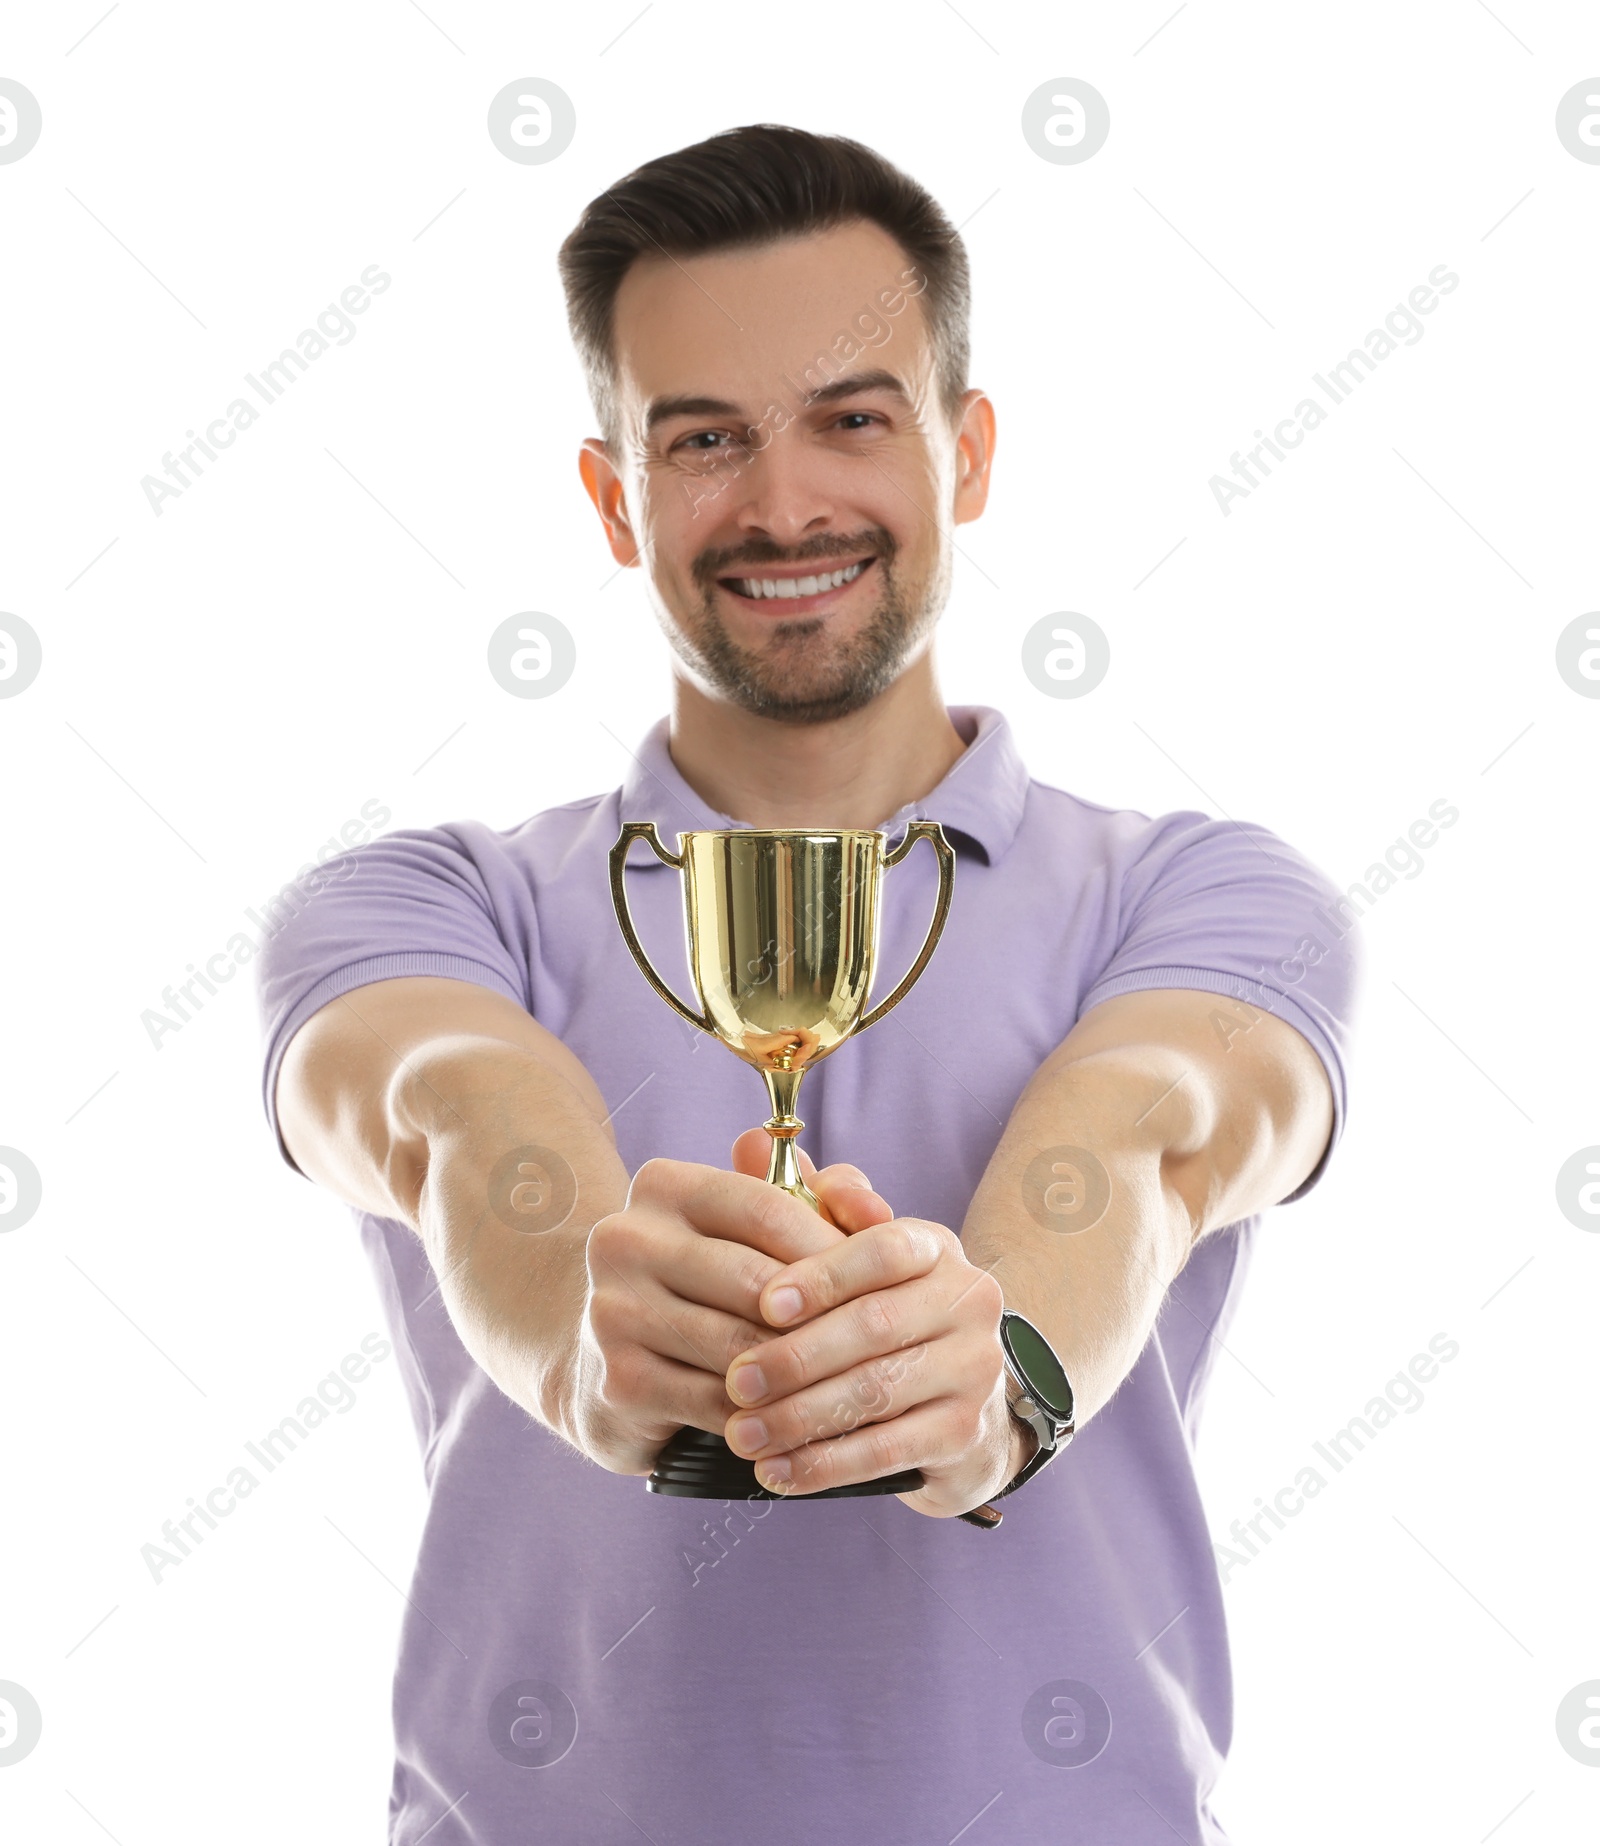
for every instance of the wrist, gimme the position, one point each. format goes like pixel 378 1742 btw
pixel 1021 1449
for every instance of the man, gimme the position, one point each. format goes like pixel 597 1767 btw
pixel 1127 1045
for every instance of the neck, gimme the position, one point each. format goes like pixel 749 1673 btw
pixel 854 771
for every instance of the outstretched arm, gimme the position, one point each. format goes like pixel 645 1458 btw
pixel 1200 1110
pixel 612 1322
pixel 1180 1110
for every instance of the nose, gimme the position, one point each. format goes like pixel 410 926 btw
pixel 784 493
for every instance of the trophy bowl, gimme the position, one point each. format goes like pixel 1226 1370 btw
pixel 782 930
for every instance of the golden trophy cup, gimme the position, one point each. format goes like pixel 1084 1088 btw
pixel 782 929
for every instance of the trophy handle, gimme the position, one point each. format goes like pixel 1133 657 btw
pixel 931 831
pixel 646 830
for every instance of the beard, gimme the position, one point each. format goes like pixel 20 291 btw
pixel 803 672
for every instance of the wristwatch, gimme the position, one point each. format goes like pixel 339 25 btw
pixel 1041 1399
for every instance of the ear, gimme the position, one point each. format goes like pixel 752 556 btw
pixel 603 485
pixel 975 441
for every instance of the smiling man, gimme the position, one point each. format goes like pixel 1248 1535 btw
pixel 1042 1175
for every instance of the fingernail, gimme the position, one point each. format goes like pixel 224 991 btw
pixel 775 1473
pixel 749 1384
pixel 750 1432
pixel 786 1304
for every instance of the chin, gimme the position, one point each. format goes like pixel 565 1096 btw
pixel 796 702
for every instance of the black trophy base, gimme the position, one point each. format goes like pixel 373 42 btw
pixel 696 1465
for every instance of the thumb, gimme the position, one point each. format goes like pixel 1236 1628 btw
pixel 753 1149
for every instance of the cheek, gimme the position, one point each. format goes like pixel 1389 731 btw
pixel 923 482
pixel 679 521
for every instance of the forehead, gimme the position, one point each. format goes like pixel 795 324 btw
pixel 732 320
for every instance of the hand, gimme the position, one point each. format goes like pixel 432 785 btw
pixel 894 1362
pixel 674 1280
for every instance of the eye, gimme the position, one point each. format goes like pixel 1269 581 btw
pixel 866 416
pixel 693 441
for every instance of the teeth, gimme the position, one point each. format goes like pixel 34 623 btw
pixel 789 587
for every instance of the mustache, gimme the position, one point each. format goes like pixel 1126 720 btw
pixel 829 552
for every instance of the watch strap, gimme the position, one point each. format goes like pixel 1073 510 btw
pixel 1050 1437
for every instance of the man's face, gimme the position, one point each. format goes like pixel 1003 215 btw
pixel 779 423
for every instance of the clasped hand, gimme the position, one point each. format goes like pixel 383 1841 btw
pixel 828 1350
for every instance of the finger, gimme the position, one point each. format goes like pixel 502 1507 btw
pixel 874 1258
pixel 873 1392
pixel 652 1275
pixel 848 1198
pixel 877 1325
pixel 682 1330
pixel 733 1206
pixel 845 1192
pixel 678 1395
pixel 921 1435
pixel 753 1149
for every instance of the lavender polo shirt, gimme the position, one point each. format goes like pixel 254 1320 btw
pixel 584 1662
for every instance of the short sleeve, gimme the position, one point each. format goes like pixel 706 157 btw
pixel 407 903
pixel 1227 907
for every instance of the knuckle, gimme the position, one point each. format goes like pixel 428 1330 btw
pixel 771 1213
pixel 932 1246
pixel 842 1176
pixel 615 1240
pixel 883 1448
pixel 656 1177
pixel 988 1367
pixel 876 1383
pixel 607 1316
pixel 788 1429
pixel 987 1298
pixel 601 1234
pixel 904 1245
pixel 793 1361
pixel 809 1462
pixel 839 1415
pixel 820 1289
pixel 746 1336
pixel 899 1364
pixel 877 1318
pixel 751 1276
pixel 621 1380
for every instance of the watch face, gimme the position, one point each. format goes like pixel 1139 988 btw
pixel 1031 1354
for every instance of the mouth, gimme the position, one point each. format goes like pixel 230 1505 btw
pixel 795 590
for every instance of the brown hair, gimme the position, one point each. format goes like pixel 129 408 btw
pixel 751 186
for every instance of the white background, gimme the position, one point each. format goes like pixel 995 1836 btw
pixel 1372 630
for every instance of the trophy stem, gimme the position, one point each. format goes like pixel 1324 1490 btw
pixel 783 1170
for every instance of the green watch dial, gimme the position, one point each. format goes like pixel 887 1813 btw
pixel 1030 1353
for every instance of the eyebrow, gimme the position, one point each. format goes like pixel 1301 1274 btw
pixel 853 384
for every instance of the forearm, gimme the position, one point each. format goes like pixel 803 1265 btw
pixel 458 1110
pixel 1094 1290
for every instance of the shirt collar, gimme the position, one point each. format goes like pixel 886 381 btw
pixel 979 801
